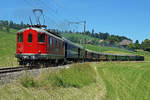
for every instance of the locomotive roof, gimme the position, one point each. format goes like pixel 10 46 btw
pixel 44 31
pixel 41 30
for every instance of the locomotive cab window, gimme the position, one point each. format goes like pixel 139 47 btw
pixel 20 37
pixel 30 37
pixel 41 37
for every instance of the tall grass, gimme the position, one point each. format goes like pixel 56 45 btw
pixel 126 81
pixel 123 81
pixel 78 75
pixel 28 81
pixel 79 82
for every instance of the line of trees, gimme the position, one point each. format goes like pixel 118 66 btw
pixel 145 45
pixel 5 25
pixel 107 39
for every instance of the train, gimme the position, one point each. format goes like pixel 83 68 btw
pixel 37 46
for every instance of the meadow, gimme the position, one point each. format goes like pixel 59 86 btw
pixel 79 82
pixel 126 80
pixel 89 81
pixel 8 48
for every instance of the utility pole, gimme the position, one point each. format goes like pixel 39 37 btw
pixel 84 22
pixel 84 26
pixel 84 33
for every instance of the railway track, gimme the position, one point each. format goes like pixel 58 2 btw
pixel 17 69
pixel 11 69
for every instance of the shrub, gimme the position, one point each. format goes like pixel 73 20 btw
pixel 28 81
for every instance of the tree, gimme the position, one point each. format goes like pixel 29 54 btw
pixel 146 45
pixel 1 27
pixel 92 34
pixel 112 40
pixel 137 44
pixel 7 29
pixel 11 24
pixel 87 33
pixel 132 46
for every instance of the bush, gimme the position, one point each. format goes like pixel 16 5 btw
pixel 146 45
pixel 29 81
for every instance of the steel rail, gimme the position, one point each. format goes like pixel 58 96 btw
pixel 11 69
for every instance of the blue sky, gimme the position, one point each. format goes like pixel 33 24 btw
pixel 129 18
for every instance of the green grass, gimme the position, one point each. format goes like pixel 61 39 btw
pixel 105 49
pixel 78 76
pixel 79 82
pixel 126 80
pixel 104 80
pixel 8 48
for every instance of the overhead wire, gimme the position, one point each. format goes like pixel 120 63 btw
pixel 58 16
pixel 47 8
pixel 35 6
pixel 54 13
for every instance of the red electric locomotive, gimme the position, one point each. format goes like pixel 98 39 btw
pixel 36 46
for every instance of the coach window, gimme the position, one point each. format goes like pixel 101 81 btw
pixel 51 41
pixel 30 37
pixel 56 43
pixel 20 37
pixel 41 37
pixel 59 45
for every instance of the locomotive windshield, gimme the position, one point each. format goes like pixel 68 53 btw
pixel 20 37
pixel 41 37
pixel 30 37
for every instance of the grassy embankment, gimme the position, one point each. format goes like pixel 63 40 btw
pixel 90 81
pixel 79 82
pixel 8 48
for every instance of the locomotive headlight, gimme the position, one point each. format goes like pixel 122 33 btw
pixel 20 51
pixel 39 52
